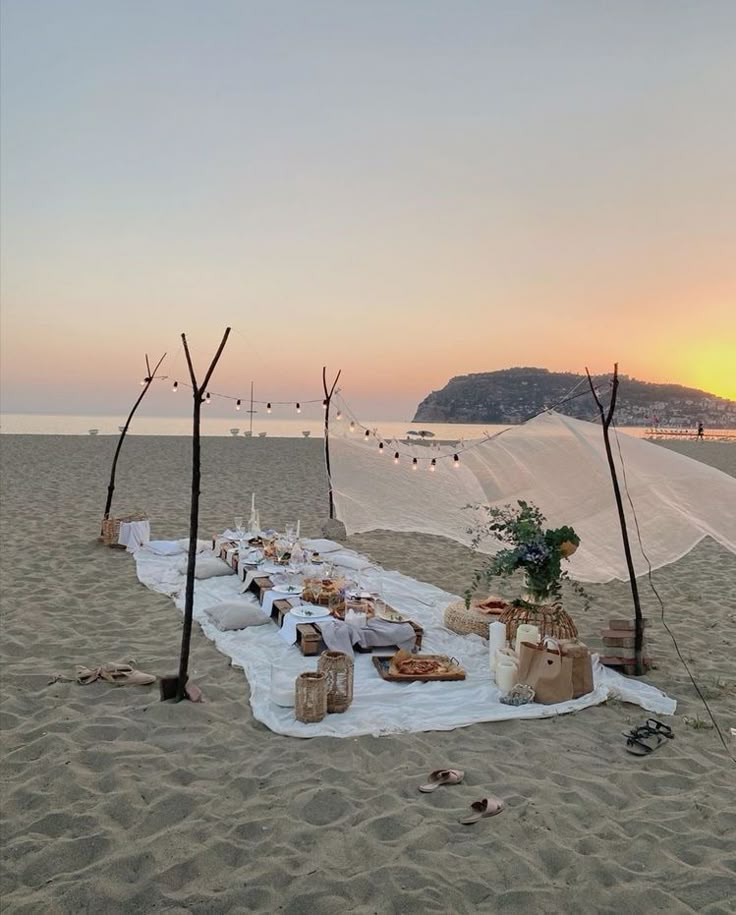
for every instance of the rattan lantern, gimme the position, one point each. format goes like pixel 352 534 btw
pixel 338 670
pixel 310 703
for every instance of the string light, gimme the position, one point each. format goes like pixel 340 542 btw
pixel 396 457
pixel 380 447
pixel 338 415
pixel 237 405
pixel 367 433
pixel 433 465
pixel 414 464
pixel 352 426
pixel 324 404
pixel 207 397
pixel 268 408
pixel 456 462
pixel 298 408
pixel 176 387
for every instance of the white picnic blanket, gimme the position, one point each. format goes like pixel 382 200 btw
pixel 379 707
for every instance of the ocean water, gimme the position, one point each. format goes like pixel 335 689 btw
pixel 273 426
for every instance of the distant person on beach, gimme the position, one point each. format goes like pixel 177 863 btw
pixel 701 430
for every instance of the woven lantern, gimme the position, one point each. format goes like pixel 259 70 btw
pixel 311 697
pixel 552 621
pixel 338 670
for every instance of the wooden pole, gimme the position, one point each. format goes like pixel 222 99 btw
pixel 328 400
pixel 606 419
pixel 111 485
pixel 197 391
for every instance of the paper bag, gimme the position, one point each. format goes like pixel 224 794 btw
pixel 582 666
pixel 547 671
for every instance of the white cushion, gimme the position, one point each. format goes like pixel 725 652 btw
pixel 207 567
pixel 236 615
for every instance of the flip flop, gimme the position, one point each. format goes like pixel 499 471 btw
pixel 658 727
pixel 442 777
pixel 487 807
pixel 643 741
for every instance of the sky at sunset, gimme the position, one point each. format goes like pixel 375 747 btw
pixel 405 189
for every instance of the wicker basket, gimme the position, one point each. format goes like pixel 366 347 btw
pixel 468 620
pixel 311 697
pixel 110 530
pixel 552 621
pixel 338 670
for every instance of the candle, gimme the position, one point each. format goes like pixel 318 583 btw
pixel 526 633
pixel 507 671
pixel 253 502
pixel 496 640
pixel 298 528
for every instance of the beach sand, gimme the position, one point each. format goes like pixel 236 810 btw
pixel 113 802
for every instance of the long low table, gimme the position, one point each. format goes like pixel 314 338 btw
pixel 308 636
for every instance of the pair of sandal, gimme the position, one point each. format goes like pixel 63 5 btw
pixel 647 737
pixel 486 807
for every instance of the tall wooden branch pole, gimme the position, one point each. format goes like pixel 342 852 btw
pixel 328 400
pixel 186 636
pixel 606 419
pixel 150 375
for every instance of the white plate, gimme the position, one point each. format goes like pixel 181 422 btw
pixel 391 616
pixel 309 613
pixel 289 590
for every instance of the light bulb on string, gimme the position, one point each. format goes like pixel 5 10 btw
pixel 207 397
pixel 433 465
pixel 237 405
pixel 396 457
pixel 352 426
pixel 268 408
pixel 338 415
pixel 414 464
pixel 143 382
pixel 298 408
pixel 324 404
pixel 367 433
pixel 175 388
pixel 380 447
pixel 456 462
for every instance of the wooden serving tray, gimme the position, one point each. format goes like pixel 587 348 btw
pixel 383 666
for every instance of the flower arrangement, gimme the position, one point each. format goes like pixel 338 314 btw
pixel 538 552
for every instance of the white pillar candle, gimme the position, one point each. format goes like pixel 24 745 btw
pixel 253 502
pixel 507 672
pixel 298 528
pixel 526 633
pixel 496 640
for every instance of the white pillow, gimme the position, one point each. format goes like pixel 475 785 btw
pixel 207 567
pixel 236 615
pixel 202 545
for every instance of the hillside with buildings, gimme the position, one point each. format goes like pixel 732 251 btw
pixel 513 395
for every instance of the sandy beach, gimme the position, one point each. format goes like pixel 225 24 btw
pixel 116 803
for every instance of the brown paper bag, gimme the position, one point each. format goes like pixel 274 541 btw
pixel 547 671
pixel 582 666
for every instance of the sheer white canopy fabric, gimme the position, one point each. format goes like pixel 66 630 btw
pixel 560 465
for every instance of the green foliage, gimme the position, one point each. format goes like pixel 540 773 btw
pixel 539 553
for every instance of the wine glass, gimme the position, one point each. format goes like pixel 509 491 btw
pixel 239 533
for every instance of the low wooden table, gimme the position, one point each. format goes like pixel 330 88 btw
pixel 308 637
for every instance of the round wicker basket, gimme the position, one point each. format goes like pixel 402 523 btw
pixel 552 621
pixel 466 620
pixel 338 670
pixel 311 697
